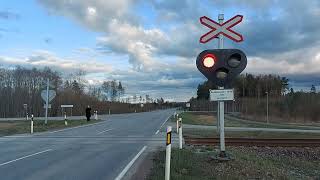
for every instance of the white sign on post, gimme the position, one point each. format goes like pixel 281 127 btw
pixel 188 105
pixel 52 94
pixel 222 95
pixel 49 106
pixel 67 106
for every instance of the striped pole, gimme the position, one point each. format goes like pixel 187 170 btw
pixel 168 153
pixel 65 119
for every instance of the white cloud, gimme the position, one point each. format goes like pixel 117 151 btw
pixel 94 14
pixel 302 61
pixel 139 43
pixel 43 58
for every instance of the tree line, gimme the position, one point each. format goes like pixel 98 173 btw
pixel 251 93
pixel 20 86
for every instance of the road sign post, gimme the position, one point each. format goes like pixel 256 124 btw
pixel 47 95
pixel 47 101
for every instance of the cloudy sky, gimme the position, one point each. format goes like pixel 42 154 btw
pixel 151 45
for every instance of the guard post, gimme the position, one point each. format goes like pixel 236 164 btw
pixel 180 133
pixel 65 119
pixel 168 153
pixel 96 115
pixel 31 128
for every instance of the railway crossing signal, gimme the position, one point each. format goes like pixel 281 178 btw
pixel 221 66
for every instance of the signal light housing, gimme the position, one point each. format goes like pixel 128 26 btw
pixel 226 65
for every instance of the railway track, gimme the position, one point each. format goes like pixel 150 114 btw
pixel 281 142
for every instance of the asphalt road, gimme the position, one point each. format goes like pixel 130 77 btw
pixel 100 151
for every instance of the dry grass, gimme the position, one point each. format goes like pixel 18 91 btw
pixel 195 163
pixel 22 127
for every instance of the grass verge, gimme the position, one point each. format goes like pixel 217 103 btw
pixel 22 127
pixel 195 163
pixel 197 118
pixel 198 133
pixel 209 119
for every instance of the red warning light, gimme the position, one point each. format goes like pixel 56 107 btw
pixel 209 60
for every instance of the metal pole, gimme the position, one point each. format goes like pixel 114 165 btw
pixel 267 107
pixel 221 103
pixel 220 18
pixel 180 133
pixel 220 46
pixel 47 101
pixel 26 109
pixel 222 142
pixel 168 153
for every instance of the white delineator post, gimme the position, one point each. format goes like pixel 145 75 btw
pixel 168 153
pixel 221 103
pixel 177 116
pixel 27 117
pixel 65 119
pixel 177 126
pixel 96 115
pixel 31 128
pixel 180 133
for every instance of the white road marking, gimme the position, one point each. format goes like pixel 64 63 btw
pixel 8 162
pixel 105 131
pixel 125 170
pixel 81 126
pixel 164 122
pixel 157 132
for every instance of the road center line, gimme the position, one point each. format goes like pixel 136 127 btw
pixel 125 170
pixel 81 126
pixel 157 132
pixel 8 162
pixel 165 122
pixel 105 131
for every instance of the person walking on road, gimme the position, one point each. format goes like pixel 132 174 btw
pixel 88 113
